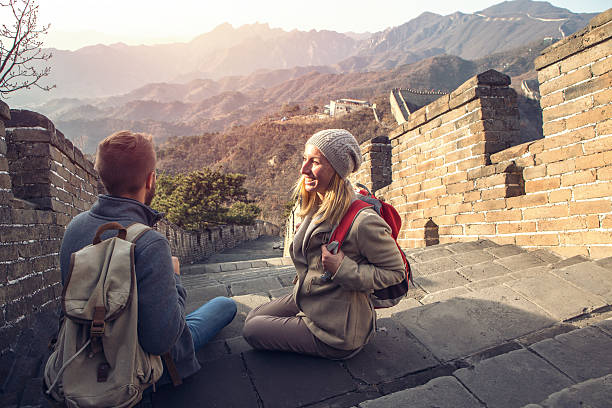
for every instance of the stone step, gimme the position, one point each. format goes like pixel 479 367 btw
pixel 595 393
pixel 233 266
pixel 568 370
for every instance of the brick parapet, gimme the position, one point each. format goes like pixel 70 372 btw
pixel 375 171
pixel 191 246
pixel 598 30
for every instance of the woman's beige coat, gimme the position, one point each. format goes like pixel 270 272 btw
pixel 339 311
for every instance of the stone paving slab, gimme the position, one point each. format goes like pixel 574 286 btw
pixel 476 321
pixel 393 353
pixel 605 325
pixel 443 295
pixel 288 380
pixel 606 263
pixel 254 285
pixel 504 251
pixel 546 256
pixel 440 281
pixel 581 354
pixel 197 297
pixel 435 266
pixel 512 380
pixel 472 258
pixel 221 383
pixel 520 262
pixel 482 271
pixel 430 254
pixel 571 261
pixel 531 272
pixel 557 296
pixel 442 392
pixel 595 393
pixel 487 283
pixel 589 276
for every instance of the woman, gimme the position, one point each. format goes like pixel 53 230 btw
pixel 329 314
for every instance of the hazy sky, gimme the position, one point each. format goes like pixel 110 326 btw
pixel 76 23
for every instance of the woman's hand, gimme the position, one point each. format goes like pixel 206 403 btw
pixel 331 262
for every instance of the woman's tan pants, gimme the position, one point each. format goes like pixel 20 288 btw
pixel 275 326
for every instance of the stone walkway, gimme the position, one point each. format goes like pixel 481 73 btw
pixel 484 326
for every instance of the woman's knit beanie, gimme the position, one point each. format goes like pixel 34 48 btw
pixel 340 148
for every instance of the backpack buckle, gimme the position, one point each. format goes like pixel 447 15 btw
pixel 97 323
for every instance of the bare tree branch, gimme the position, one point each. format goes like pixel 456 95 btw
pixel 22 61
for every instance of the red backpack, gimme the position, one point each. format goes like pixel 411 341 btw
pixel 390 296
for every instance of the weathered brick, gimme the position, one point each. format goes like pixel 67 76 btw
pixel 534 172
pixel 490 205
pixel 537 240
pixel 549 72
pixel 530 200
pixel 565 80
pixel 603 66
pixel 550 211
pixel 585 237
pixel 593 191
pixel 556 155
pixel 516 227
pixel 589 87
pixel 554 127
pixel 566 166
pixel 604 173
pixel 595 115
pixel 504 215
pixel 601 144
pixel 532 186
pixel 562 224
pixel 581 177
pixel 562 195
pixel 552 99
pixel 591 207
pixel 569 251
pixel 567 109
pixel 470 218
pixel 480 229
pixel 602 97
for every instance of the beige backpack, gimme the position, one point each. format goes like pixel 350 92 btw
pixel 97 360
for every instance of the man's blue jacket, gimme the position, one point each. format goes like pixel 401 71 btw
pixel 161 297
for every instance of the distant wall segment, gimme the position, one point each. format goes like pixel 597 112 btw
pixel 44 182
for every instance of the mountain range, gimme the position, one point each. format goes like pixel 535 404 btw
pixel 233 76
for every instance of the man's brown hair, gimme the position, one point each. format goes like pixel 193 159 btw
pixel 124 160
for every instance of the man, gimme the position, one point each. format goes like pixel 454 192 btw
pixel 125 162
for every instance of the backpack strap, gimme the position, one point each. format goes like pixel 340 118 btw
pixel 340 232
pixel 135 231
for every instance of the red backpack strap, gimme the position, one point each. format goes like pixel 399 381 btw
pixel 346 223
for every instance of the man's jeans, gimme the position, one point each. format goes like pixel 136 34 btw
pixel 208 320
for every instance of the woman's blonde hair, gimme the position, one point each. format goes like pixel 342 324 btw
pixel 337 200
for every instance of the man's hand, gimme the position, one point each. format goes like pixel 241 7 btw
pixel 176 265
pixel 331 262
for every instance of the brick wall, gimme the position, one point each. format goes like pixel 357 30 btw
pixel 456 179
pixel 440 152
pixel 45 181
